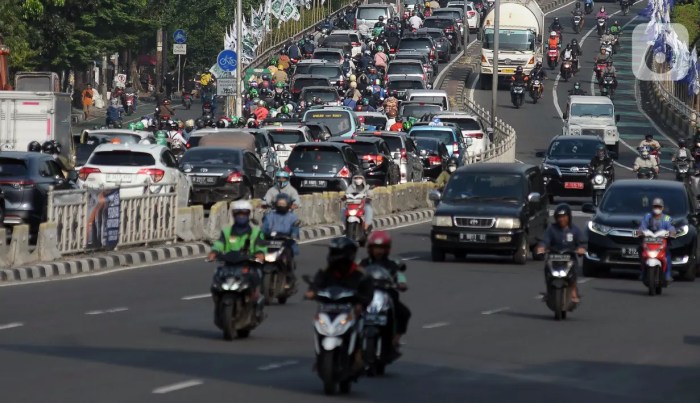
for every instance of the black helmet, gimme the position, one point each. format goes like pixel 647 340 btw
pixel 221 124
pixel 562 209
pixel 601 151
pixel 519 69
pixel 34 147
pixel 341 250
pixel 283 203
pixel 574 42
pixel 649 137
pixel 200 123
pixel 682 143
pixel 556 20
pixel 50 147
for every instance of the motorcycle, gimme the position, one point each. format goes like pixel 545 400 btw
pixel 559 276
pixel 598 69
pixel 600 180
pixel 207 108
pixel 235 310
pixel 535 90
pixel 278 269
pixel 378 328
pixel 566 70
pixel 577 22
pixel 602 22
pixel 625 4
pixel 588 7
pixel 682 166
pixel 607 86
pixel 517 94
pixel 646 173
pixel 336 337
pixel 615 45
pixel 355 217
pixel 130 99
pixel 187 100
pixel 608 47
pixel 653 257
pixel 178 149
pixel 552 58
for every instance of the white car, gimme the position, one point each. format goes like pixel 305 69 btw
pixel 473 17
pixel 112 165
pixel 471 128
pixel 287 136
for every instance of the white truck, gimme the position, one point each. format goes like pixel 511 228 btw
pixel 36 115
pixel 593 115
pixel 521 39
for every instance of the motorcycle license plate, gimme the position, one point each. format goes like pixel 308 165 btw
pixel 275 244
pixel 631 253
pixel 374 319
pixel 573 185
pixel 314 183
pixel 472 237
pixel 598 186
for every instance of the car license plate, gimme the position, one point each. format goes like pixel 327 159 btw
pixel 508 71
pixel 573 185
pixel 314 184
pixel 632 253
pixel 203 180
pixel 119 177
pixel 472 237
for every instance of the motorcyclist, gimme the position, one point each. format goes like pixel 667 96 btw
pixel 380 58
pixel 380 22
pixel 308 46
pixel 553 41
pixel 294 51
pixel 649 142
pixel 34 147
pixel 519 78
pixel 610 70
pixel 658 221
pixel 682 152
pixel 391 103
pixel 444 176
pixel 189 129
pixel 644 160
pixel 415 21
pixel 261 112
pixel 327 24
pixel 130 90
pixel 567 53
pixel 378 250
pixel 555 25
pixel 282 185
pixel 538 73
pixel 363 28
pixel 602 14
pixel 577 90
pixel 576 48
pixel 282 221
pixel 114 113
pixel 577 10
pixel 616 29
pixel 607 37
pixel 561 235
pixel 602 159
pixel 359 186
pixel 396 127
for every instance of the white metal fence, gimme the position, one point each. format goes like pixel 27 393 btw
pixel 675 93
pixel 502 148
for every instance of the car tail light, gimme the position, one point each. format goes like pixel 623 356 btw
pixel 86 171
pixel 475 135
pixel 19 184
pixel 470 14
pixel 450 29
pixel 434 160
pixel 432 54
pixel 392 50
pixel 404 156
pixel 344 173
pixel 234 177
pixel 187 145
pixel 355 44
pixel 378 159
pixel 155 174
pixel 455 149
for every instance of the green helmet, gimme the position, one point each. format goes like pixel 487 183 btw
pixel 285 109
pixel 161 138
pixel 253 93
pixel 132 126
pixel 376 31
pixel 407 126
pixel 380 48
pixel 280 84
pixel 273 61
pixel 234 120
pixel 139 125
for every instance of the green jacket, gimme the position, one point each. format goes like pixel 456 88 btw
pixel 231 243
pixel 442 179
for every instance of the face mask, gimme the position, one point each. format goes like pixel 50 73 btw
pixel 451 168
pixel 282 209
pixel 658 211
pixel 241 220
pixel 359 182
pixel 282 184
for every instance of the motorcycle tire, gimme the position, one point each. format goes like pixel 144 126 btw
pixel 243 333
pixel 325 372
pixel 370 356
pixel 281 300
pixel 534 99
pixel 651 280
pixel 559 304
pixel 227 313
pixel 576 29
pixel 268 287
pixel 353 231
pixel 345 386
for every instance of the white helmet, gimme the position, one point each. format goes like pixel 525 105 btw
pixel 553 33
pixel 241 205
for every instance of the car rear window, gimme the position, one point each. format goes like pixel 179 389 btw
pixel 442 135
pixel 122 159
pixel 211 157
pixel 405 68
pixel 394 143
pixel 361 148
pixel 302 69
pixel 332 56
pixel 412 56
pixel 426 143
pixel 326 71
pixel 338 38
pixel 429 100
pixel 371 13
pixel 419 110
pixel 286 136
pixel 102 138
pixel 377 121
pixel 435 34
pixel 338 122
pixel 325 96
pixel 463 123
pixel 401 85
pixel 10 167
pixel 194 141
pixel 454 14
pixel 441 23
pixel 415 43
pixel 315 159
pixel 310 82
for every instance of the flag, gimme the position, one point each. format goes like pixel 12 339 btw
pixel 694 74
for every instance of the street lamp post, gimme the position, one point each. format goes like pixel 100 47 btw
pixel 239 51
pixel 494 82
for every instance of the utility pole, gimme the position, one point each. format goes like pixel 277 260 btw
pixel 239 52
pixel 159 59
pixel 494 82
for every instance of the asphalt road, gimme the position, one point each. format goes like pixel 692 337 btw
pixel 479 331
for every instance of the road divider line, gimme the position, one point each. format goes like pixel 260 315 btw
pixel 435 325
pixel 277 365
pixel 497 310
pixel 411 258
pixel 584 280
pixel 112 310
pixel 11 325
pixel 177 386
pixel 198 296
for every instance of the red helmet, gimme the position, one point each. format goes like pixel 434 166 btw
pixel 379 238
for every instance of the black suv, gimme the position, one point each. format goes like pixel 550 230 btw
pixel 449 26
pixel 381 169
pixel 490 208
pixel 566 164
pixel 323 166
pixel 612 240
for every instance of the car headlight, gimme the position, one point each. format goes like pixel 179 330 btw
pixel 507 223
pixel 611 131
pixel 575 131
pixel 682 231
pixel 599 228
pixel 549 167
pixel 442 221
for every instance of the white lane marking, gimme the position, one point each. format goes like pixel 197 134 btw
pixel 11 325
pixel 539 296
pixel 557 9
pixel 191 297
pixel 518 161
pixel 497 310
pixel 112 310
pixel 277 365
pixel 435 325
pixel 177 386
pixel 410 258
pixel 584 280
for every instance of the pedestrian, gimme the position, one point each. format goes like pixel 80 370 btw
pixel 87 101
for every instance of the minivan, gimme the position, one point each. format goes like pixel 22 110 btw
pixel 370 13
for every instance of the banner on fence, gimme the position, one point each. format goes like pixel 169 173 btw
pixel 104 216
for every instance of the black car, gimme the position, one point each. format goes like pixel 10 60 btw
pixel 431 69
pixel 612 238
pixel 220 174
pixel 25 179
pixel 419 43
pixel 323 167
pixel 566 164
pixel 327 95
pixel 443 46
pixel 301 81
pixel 402 84
pixel 2 209
pixel 434 155
pixel 490 208
pixel 449 26
pixel 382 170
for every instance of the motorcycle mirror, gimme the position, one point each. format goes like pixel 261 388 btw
pixel 434 195
pixel 565 115
pixel 617 118
pixel 588 208
pixel 534 198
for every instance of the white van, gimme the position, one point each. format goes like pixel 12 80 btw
pixel 370 14
pixel 593 115
pixel 435 97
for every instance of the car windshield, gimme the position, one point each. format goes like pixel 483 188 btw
pixel 510 39
pixel 331 56
pixel 636 201
pixel 572 149
pixel 444 136
pixel 417 111
pixel 315 159
pixel 338 38
pixel 371 13
pixel 401 85
pixel 327 71
pixel 10 167
pixel 592 110
pixel 484 186
pixel 405 68
pixel 441 23
pixel 376 121
pixel 211 156
pixel 463 123
pixel 122 158
pixel 300 83
pixel 338 122
pixel 418 44
pixel 324 95
pixel 286 136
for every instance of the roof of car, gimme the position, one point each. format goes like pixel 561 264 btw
pixel 217 148
pixel 406 77
pixel 24 155
pixel 428 29
pixel 428 93
pixel 656 184
pixel 585 137
pixel 322 144
pixel 590 99
pixel 142 148
pixel 312 61
pixel 345 31
pixel 501 167
pixel 212 130
pixel 319 87
pixel 375 5
pixel 380 134
pixel 361 139
pixel 406 61
pixel 450 114
pixel 328 50
pixel 310 76
pixel 374 114
pixel 437 17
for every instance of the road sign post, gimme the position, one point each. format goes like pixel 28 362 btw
pixel 227 60
pixel 179 49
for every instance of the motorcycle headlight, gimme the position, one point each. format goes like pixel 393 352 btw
pixel 352 212
pixel 683 230
pixel 653 253
pixel 507 223
pixel 230 285
pixel 271 257
pixel 599 179
pixel 442 221
pixel 599 228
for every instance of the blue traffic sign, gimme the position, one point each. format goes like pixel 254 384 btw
pixel 227 60
pixel 179 36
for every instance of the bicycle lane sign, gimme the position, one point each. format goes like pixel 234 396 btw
pixel 227 60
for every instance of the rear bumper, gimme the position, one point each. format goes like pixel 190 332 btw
pixel 210 194
pixel 333 184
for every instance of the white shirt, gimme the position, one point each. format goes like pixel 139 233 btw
pixel 415 22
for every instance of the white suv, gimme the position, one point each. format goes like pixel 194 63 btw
pixel 287 136
pixel 471 128
pixel 112 165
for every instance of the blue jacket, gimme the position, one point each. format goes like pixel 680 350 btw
pixel 557 238
pixel 286 224
pixel 663 224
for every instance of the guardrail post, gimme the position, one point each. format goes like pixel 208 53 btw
pixel 198 222
pixel 19 247
pixel 5 256
pixel 184 225
pixel 218 218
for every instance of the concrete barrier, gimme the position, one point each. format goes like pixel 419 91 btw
pixel 47 242
pixel 19 246
pixel 185 223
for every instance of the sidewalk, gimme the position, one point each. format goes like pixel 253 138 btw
pixel 97 116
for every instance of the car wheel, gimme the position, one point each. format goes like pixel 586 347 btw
pixel 691 271
pixel 520 255
pixel 437 254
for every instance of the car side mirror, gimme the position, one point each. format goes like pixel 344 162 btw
pixel 617 118
pixel 434 195
pixel 588 208
pixel 489 132
pixel 73 176
pixel 565 115
pixel 534 198
pixel 540 154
